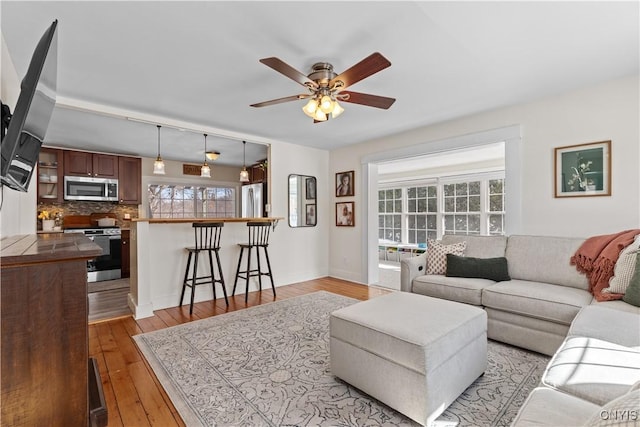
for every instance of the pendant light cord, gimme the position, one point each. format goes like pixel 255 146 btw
pixel 158 140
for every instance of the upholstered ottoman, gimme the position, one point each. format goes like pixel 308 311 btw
pixel 415 353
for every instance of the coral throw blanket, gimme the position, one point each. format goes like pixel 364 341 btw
pixel 597 256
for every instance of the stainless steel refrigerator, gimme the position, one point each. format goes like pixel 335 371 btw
pixel 253 200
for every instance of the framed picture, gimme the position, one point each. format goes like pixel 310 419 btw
pixel 583 170
pixel 310 217
pixel 345 216
pixel 344 184
pixel 310 187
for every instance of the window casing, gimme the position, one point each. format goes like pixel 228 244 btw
pixel 184 201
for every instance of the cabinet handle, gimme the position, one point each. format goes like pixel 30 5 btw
pixel 124 242
pixel 89 173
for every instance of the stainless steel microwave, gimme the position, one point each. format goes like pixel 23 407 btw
pixel 90 189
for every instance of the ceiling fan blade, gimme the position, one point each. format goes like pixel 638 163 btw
pixel 279 100
pixel 363 69
pixel 289 71
pixel 366 99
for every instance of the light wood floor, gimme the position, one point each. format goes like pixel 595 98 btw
pixel 133 394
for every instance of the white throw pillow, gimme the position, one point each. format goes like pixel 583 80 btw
pixel 622 411
pixel 437 255
pixel 624 268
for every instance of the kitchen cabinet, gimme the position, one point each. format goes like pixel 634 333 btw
pixel 126 253
pixel 81 163
pixel 50 175
pixel 130 180
pixel 43 318
pixel 258 173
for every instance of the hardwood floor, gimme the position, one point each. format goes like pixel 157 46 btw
pixel 133 394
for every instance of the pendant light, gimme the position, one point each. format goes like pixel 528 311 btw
pixel 158 165
pixel 205 170
pixel 244 175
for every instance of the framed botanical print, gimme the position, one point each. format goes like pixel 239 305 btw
pixel 583 170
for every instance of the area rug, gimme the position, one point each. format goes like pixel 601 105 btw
pixel 269 366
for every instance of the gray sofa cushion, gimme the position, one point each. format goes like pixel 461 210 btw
pixel 545 259
pixel 593 369
pixel 542 300
pixel 549 407
pixel 459 289
pixel 479 246
pixel 605 323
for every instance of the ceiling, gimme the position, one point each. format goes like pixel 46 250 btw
pixel 194 65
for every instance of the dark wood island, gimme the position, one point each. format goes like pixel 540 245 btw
pixel 44 375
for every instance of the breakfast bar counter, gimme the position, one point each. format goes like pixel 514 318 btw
pixel 158 260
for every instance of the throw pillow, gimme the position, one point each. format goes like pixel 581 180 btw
pixel 437 255
pixel 632 296
pixel 483 268
pixel 624 268
pixel 622 411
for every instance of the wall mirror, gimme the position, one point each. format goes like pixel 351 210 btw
pixel 302 201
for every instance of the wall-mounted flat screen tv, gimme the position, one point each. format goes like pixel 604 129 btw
pixel 28 125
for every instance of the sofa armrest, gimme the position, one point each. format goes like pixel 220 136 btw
pixel 410 268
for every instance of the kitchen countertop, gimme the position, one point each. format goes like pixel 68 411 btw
pixel 47 247
pixel 188 220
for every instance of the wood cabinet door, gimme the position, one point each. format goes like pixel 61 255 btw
pixel 126 253
pixel 130 182
pixel 78 163
pixel 105 166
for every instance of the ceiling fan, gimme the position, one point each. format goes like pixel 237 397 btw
pixel 326 88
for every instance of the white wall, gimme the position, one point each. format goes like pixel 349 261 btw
pixel 608 111
pixel 18 209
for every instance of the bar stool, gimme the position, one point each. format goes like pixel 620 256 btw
pixel 207 239
pixel 258 238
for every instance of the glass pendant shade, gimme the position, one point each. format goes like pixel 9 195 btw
pixel 319 116
pixel 337 110
pixel 205 170
pixel 326 104
pixel 158 165
pixel 311 107
pixel 244 174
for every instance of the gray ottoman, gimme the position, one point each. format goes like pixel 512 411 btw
pixel 415 353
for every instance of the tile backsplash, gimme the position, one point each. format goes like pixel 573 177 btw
pixel 87 208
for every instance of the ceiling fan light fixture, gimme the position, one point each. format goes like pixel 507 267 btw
pixel 310 107
pixel 326 104
pixel 319 115
pixel 337 110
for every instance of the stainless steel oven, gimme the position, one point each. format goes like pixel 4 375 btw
pixel 107 266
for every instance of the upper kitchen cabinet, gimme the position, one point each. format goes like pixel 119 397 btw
pixel 130 181
pixel 80 163
pixel 50 175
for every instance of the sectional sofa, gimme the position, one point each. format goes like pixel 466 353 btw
pixel 594 374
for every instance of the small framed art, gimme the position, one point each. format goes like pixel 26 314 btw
pixel 344 184
pixel 310 214
pixel 583 170
pixel 345 215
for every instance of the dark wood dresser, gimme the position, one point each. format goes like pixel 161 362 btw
pixel 44 375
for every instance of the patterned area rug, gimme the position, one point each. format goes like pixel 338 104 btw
pixel 269 366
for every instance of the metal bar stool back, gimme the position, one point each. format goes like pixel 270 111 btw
pixel 207 239
pixel 258 238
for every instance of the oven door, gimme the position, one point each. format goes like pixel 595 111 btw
pixel 107 266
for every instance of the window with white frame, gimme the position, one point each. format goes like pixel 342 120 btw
pixel 470 204
pixel 184 201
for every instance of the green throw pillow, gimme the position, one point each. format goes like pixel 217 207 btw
pixel 632 295
pixel 482 268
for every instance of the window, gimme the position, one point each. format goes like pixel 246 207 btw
pixel 390 214
pixel 473 204
pixel 183 201
pixel 422 213
pixel 462 208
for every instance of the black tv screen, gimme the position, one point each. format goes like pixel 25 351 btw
pixel 20 146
